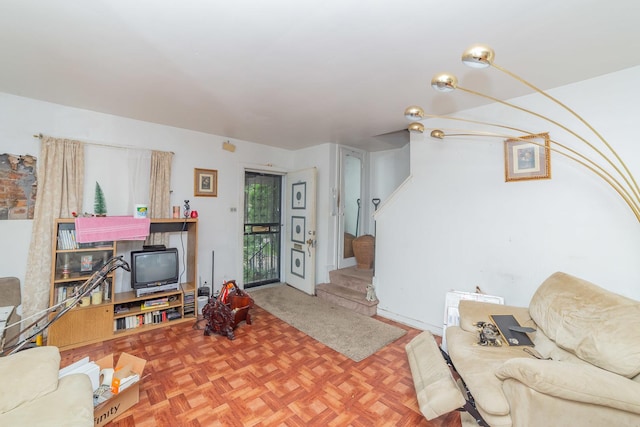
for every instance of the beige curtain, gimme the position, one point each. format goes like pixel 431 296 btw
pixel 160 192
pixel 60 187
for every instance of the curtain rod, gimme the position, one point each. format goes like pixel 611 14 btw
pixel 40 136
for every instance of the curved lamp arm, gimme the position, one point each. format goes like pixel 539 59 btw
pixel 480 56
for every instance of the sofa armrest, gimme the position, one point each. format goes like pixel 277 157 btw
pixel 27 375
pixel 572 381
pixel 474 311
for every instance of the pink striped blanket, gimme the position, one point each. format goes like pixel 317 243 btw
pixel 99 229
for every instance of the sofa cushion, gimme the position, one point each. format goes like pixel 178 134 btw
pixel 570 381
pixel 477 365
pixel 598 326
pixel 27 375
pixel 70 405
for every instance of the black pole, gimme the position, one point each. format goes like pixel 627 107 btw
pixel 358 218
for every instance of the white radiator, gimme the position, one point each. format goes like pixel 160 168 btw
pixel 451 314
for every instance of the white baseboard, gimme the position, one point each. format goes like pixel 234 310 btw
pixel 436 330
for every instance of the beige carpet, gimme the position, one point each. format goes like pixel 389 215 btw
pixel 352 334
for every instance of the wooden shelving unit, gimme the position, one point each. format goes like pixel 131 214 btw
pixel 73 264
pixel 128 299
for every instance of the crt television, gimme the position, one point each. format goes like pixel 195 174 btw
pixel 151 268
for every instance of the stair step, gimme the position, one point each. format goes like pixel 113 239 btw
pixel 347 298
pixel 352 278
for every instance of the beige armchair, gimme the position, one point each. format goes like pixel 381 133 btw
pixel 586 373
pixel 32 395
pixel 10 295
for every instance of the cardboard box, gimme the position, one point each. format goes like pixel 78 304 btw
pixel 111 409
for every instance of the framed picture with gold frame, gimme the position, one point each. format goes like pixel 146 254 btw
pixel 205 183
pixel 528 157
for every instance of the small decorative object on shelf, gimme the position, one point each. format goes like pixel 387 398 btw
pixel 99 204
pixel 187 209
pixel 86 263
pixel 96 296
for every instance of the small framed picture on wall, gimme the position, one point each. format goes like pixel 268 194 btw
pixel 527 158
pixel 205 183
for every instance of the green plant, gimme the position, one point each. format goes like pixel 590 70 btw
pixel 99 204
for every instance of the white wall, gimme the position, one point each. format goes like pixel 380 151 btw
pixel 16 130
pixel 20 118
pixel 388 170
pixel 456 224
pixel 220 217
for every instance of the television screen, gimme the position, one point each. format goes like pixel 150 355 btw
pixel 154 268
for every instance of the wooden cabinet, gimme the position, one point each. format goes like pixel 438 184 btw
pixel 82 325
pixel 73 264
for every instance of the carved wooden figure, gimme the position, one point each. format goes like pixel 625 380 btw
pixel 225 312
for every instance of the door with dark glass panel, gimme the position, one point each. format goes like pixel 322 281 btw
pixel 262 228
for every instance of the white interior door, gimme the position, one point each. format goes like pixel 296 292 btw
pixel 300 230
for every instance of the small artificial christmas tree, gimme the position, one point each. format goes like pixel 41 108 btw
pixel 99 204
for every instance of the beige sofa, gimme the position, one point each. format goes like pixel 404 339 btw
pixel 587 373
pixel 31 394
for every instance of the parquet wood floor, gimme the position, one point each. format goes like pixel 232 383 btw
pixel 270 375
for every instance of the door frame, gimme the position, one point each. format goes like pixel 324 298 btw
pixel 343 152
pixel 271 177
pixel 250 167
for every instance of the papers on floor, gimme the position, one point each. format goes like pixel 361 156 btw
pixel 104 386
pixel 83 366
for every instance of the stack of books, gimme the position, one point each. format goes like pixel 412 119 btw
pixel 148 318
pixel 189 303
pixel 154 304
pixel 67 239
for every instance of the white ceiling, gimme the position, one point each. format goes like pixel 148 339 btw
pixel 298 73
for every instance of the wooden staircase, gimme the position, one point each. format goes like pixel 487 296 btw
pixel 348 289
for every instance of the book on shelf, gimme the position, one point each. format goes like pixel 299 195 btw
pixel 155 303
pixel 154 306
pixel 62 241
pixel 189 306
pixel 64 292
pixel 147 318
pixel 72 236
pixel 67 239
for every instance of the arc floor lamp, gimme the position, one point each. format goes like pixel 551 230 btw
pixel 594 153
